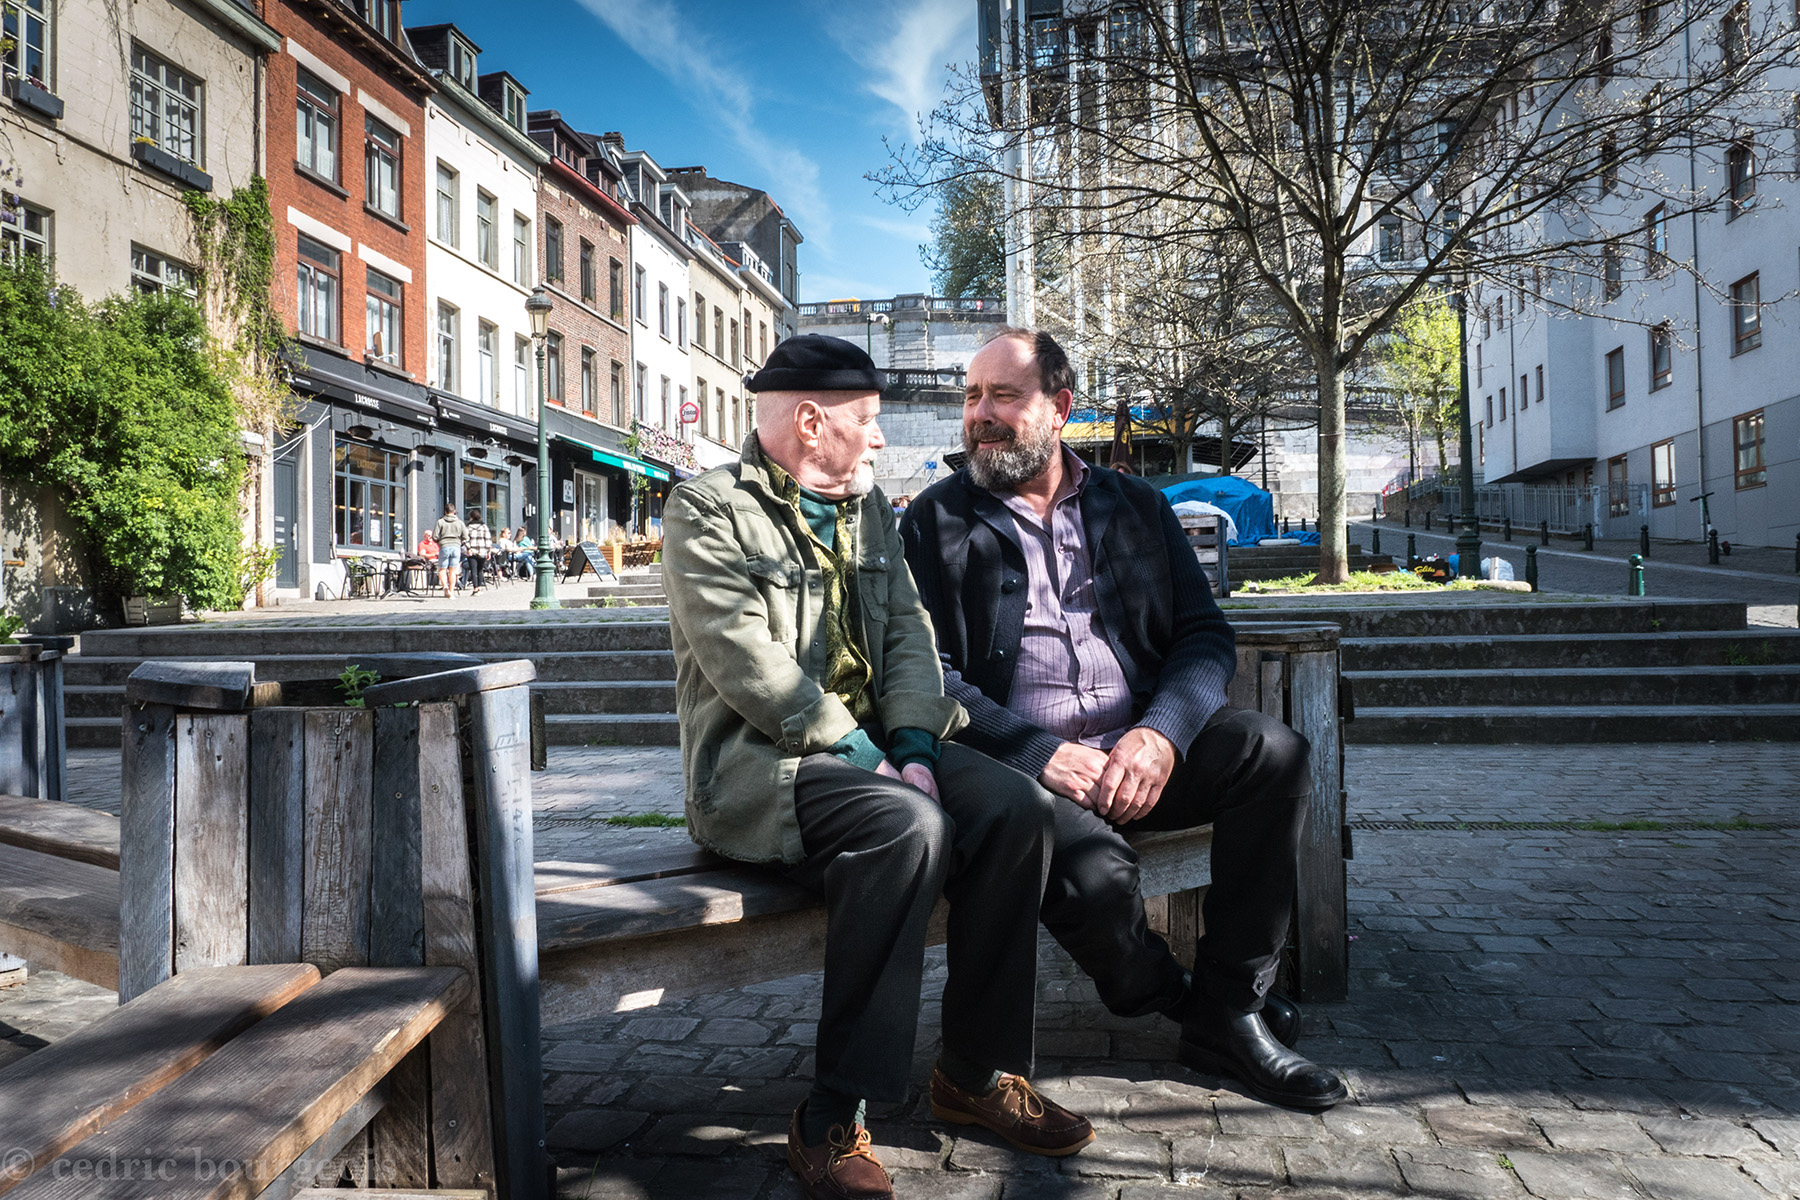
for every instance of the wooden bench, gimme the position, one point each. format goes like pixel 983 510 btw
pixel 1207 534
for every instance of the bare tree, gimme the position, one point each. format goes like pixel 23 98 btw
pixel 1362 151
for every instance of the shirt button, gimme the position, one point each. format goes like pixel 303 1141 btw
pixel 1010 586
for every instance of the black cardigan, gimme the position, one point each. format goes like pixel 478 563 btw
pixel 1155 604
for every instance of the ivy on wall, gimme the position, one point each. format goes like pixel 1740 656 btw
pixel 234 241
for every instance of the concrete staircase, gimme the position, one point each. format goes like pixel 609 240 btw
pixel 1462 667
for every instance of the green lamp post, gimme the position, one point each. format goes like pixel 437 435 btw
pixel 538 307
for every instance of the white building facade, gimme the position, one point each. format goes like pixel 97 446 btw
pixel 662 324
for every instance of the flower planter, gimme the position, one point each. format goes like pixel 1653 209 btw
pixel 158 159
pixel 28 95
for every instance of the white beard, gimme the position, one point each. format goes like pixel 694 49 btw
pixel 864 481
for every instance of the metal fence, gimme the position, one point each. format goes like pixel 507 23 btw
pixel 1615 510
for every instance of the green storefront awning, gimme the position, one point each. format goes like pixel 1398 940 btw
pixel 623 461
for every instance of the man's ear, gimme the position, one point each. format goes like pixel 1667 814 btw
pixel 1065 401
pixel 808 417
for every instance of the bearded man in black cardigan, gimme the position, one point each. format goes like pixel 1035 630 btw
pixel 1079 631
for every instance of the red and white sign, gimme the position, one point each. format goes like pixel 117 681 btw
pixel 690 412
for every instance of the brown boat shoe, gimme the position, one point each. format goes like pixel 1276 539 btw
pixel 844 1168
pixel 1016 1112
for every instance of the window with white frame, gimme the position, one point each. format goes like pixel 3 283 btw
pixel 487 238
pixel 317 289
pixel 159 274
pixel 681 321
pixel 25 230
pixel 521 374
pixel 662 309
pixel 447 338
pixel 487 360
pixel 27 27
pixel 521 251
pixel 381 168
pixel 1747 438
pixel 637 296
pixel 590 385
pixel 165 106
pixel 553 250
pixel 668 421
pixel 553 372
pixel 316 125
pixel 380 14
pixel 643 375
pixel 447 182
pixel 1662 474
pixel 1746 314
pixel 385 303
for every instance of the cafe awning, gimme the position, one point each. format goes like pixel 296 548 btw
pixel 636 466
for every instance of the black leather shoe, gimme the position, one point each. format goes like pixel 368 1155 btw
pixel 1220 1041
pixel 1280 1014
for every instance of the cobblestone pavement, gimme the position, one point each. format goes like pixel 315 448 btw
pixel 1560 1013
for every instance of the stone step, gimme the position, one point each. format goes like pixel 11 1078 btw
pixel 1450 615
pixel 1452 685
pixel 640 630
pixel 641 697
pixel 1760 646
pixel 1563 724
pixel 628 591
pixel 597 729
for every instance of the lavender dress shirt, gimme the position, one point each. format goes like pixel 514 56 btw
pixel 1068 681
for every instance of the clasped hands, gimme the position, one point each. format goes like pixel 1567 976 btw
pixel 917 774
pixel 1122 785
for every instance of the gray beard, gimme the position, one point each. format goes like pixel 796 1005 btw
pixel 1019 461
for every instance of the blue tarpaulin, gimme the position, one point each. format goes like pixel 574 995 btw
pixel 1252 509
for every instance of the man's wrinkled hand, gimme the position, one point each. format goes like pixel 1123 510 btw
pixel 921 777
pixel 1136 771
pixel 1074 771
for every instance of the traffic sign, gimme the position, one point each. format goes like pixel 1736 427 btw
pixel 690 412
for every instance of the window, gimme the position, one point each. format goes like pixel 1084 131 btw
pixel 487 490
pixel 1540 383
pixel 165 105
pixel 662 309
pixel 719 393
pixel 487 241
pixel 1390 244
pixel 318 289
pixel 1609 164
pixel 553 375
pixel 762 341
pixel 158 274
pixel 487 361
pixel 637 296
pixel 1662 366
pixel 447 337
pixel 462 64
pixel 1488 404
pixel 681 321
pixel 718 332
pixel 735 361
pixel 681 399
pixel 1662 474
pixel 700 395
pixel 1649 18
pixel 384 307
pixel 615 288
pixel 1747 436
pixel 521 374
pixel 371 497
pixel 380 14
pixel 1613 273
pixel 1524 392
pixel 1746 315
pixel 667 416
pixel 737 420
pixel 27 24
pixel 618 393
pixel 590 392
pixel 590 287
pixel 553 250
pixel 381 173
pixel 513 105
pixel 315 125
pixel 1618 488
pixel 1740 164
pixel 1656 240
pixel 446 205
pixel 1503 404
pixel 637 392
pixel 521 251
pixel 1734 35
pixel 1615 377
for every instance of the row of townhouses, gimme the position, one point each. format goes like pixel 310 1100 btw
pixel 418 199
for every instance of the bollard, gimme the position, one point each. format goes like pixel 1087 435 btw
pixel 1796 541
pixel 1302 524
pixel 1428 519
pixel 1506 529
pixel 1635 586
pixel 1587 536
pixel 1712 547
pixel 1450 523
pixel 1644 540
pixel 1412 551
pixel 1284 526
pixel 1543 533
pixel 1531 567
pixel 1375 514
pixel 1375 541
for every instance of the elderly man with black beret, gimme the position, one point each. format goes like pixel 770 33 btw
pixel 813 726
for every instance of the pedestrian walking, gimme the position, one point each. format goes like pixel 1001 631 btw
pixel 449 533
pixel 478 546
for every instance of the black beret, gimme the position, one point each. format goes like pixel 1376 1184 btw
pixel 813 362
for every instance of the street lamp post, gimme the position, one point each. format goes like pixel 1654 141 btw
pixel 538 309
pixel 1468 537
pixel 873 319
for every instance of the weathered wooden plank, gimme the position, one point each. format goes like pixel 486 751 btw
pixel 1185 924
pixel 60 914
pixel 146 849
pixel 393 667
pixel 61 830
pixel 1242 691
pixel 18 745
pixel 500 745
pixel 324 1158
pixel 461 1124
pixel 399 1148
pixel 334 930
pixel 400 1135
pixel 54 1098
pixel 212 843
pixel 449 684
pixel 658 862
pixel 233 1124
pixel 392 1194
pixel 1173 860
pixel 1322 971
pixel 212 686
pixel 1273 670
pixel 52 732
pixel 630 910
pixel 277 839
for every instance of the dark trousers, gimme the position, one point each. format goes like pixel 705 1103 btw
pixel 880 852
pixel 1248 775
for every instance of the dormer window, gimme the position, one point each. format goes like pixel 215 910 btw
pixel 380 14
pixel 513 105
pixel 462 62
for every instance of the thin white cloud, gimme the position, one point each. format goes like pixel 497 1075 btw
pixel 658 32
pixel 918 231
pixel 905 45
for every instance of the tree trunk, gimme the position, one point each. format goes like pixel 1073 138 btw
pixel 1334 539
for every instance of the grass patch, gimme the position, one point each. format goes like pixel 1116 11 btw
pixel 648 820
pixel 1359 581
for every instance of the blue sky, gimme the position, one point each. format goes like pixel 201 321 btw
pixel 791 97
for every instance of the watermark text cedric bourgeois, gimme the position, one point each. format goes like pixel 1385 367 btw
pixel 17 1164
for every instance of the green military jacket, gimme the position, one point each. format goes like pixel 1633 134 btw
pixel 745 595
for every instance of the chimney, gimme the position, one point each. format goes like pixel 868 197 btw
pixel 615 139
